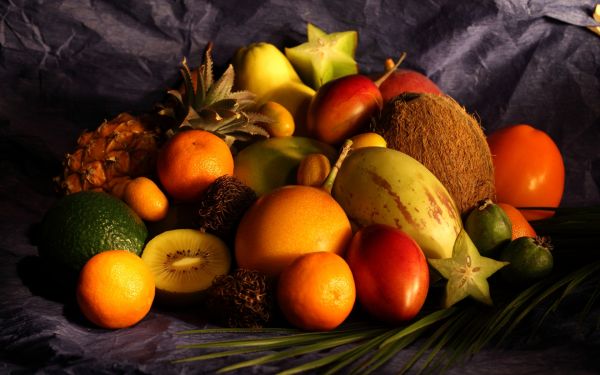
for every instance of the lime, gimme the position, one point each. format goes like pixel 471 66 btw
pixel 530 260
pixel 84 224
pixel 489 228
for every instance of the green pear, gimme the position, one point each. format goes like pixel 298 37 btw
pixel 270 163
pixel 264 70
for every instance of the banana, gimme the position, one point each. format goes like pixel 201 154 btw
pixel 264 70
pixel 385 186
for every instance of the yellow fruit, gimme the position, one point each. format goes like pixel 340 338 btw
pixel 288 222
pixel 146 199
pixel 184 263
pixel 264 70
pixel 385 186
pixel 369 139
pixel 313 170
pixel 316 291
pixel 115 289
pixel 283 121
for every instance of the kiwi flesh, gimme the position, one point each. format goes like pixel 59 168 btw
pixel 438 132
pixel 184 263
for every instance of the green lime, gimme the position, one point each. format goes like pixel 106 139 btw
pixel 84 224
pixel 489 228
pixel 530 260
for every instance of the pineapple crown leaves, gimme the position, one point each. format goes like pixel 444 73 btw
pixel 214 107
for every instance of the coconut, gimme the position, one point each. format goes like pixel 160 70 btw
pixel 438 132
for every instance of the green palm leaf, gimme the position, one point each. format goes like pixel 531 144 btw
pixel 447 336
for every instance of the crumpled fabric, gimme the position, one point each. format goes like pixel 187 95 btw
pixel 66 65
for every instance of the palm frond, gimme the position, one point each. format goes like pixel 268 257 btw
pixel 444 337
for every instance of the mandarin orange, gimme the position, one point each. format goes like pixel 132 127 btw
pixel 288 222
pixel 190 161
pixel 115 289
pixel 316 291
pixel 520 225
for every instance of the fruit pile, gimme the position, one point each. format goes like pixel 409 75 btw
pixel 295 186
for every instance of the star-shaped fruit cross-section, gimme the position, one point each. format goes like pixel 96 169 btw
pixel 467 272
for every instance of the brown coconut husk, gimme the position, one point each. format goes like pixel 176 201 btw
pixel 438 132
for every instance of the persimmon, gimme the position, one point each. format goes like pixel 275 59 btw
pixel 528 169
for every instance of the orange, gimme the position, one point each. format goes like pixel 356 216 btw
pixel 115 289
pixel 316 291
pixel 288 222
pixel 520 225
pixel 190 161
pixel 146 199
pixel 368 139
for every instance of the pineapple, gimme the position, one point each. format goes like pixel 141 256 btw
pixel 108 157
pixel 211 105
pixel 126 147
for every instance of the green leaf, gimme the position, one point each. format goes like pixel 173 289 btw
pixel 220 89
pixel 326 343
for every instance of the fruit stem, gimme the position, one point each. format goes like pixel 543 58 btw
pixel 328 184
pixel 390 70
pixel 485 203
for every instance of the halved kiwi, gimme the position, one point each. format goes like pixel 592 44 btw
pixel 184 263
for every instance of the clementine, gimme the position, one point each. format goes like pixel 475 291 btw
pixel 190 161
pixel 520 225
pixel 288 222
pixel 146 199
pixel 316 291
pixel 115 289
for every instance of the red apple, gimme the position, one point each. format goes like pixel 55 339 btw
pixel 406 80
pixel 390 272
pixel 343 107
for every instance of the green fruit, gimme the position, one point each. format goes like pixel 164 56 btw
pixel 530 260
pixel 184 263
pixel 489 227
pixel 273 162
pixel 467 272
pixel 385 186
pixel 324 57
pixel 84 224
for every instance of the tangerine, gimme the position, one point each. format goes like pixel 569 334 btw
pixel 369 139
pixel 146 199
pixel 190 161
pixel 287 222
pixel 316 291
pixel 520 225
pixel 115 289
